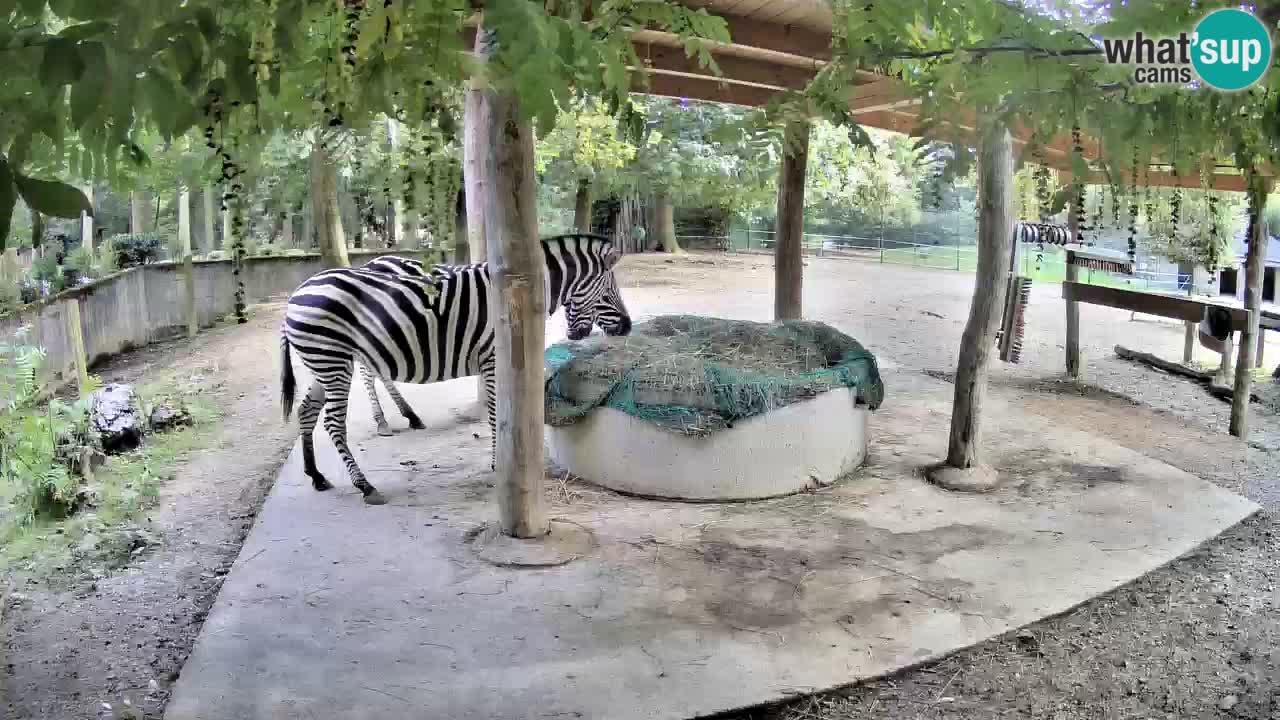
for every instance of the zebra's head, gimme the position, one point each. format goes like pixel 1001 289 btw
pixel 591 296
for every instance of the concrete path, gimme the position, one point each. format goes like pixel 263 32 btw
pixel 335 609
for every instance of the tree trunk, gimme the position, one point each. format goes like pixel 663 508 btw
pixel 630 229
pixel 461 246
pixel 308 239
pixel 188 267
pixel 995 231
pixel 210 241
pixel 139 213
pixel 665 220
pixel 788 247
pixel 37 230
pixel 396 234
pixel 326 216
pixel 1250 336
pixel 582 206
pixel 286 232
pixel 516 266
pixel 86 223
pixel 1073 275
pixel 474 154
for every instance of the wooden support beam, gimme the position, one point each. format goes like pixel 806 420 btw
pixel 516 267
pixel 885 93
pixel 664 58
pixel 1251 333
pixel 995 230
pixel 788 263
pixel 1073 275
pixel 698 88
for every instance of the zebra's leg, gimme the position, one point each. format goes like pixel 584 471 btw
pixel 337 387
pixel 414 421
pixel 372 389
pixel 488 371
pixel 308 414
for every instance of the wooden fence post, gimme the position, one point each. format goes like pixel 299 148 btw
pixel 963 469
pixel 75 335
pixel 1073 275
pixel 474 153
pixel 788 245
pixel 509 200
pixel 1258 187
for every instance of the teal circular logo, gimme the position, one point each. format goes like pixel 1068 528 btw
pixel 1231 49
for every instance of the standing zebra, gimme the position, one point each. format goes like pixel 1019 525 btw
pixel 424 329
pixel 396 265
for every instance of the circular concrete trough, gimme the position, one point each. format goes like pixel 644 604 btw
pixel 796 447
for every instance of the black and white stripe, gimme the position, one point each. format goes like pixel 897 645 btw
pixel 423 329
pixel 391 265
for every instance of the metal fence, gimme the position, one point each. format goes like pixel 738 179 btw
pixel 1048 265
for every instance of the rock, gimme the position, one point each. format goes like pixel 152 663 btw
pixel 1228 702
pixel 115 419
pixel 166 417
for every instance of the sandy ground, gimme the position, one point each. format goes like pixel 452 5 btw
pixel 1197 639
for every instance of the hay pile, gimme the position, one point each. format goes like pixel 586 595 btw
pixel 697 375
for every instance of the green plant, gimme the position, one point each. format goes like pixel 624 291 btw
pixel 138 249
pixel 39 443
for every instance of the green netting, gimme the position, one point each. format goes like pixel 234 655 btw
pixel 696 375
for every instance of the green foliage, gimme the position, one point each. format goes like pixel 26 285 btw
pixel 38 444
pixel 139 249
pixel 856 185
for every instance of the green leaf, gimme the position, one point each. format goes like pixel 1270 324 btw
pixel 8 198
pixel 86 95
pixel 62 64
pixel 49 197
pixel 162 97
pixel 31 7
pixel 84 31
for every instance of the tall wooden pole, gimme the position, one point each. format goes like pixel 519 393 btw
pixel 788 247
pixel 474 153
pixel 1249 337
pixel 995 233
pixel 397 203
pixel 1073 275
pixel 188 266
pixel 86 223
pixel 516 268
pixel 327 218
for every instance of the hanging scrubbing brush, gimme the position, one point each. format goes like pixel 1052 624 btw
pixel 1015 319
pixel 1096 258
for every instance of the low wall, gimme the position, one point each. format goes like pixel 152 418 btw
pixel 144 305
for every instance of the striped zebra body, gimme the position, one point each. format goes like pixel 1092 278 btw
pixel 391 265
pixel 423 329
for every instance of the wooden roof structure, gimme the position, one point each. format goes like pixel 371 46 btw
pixel 779 45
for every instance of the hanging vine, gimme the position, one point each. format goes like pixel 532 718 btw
pixel 1133 209
pixel 215 132
pixel 1077 185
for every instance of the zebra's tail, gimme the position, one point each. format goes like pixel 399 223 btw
pixel 288 386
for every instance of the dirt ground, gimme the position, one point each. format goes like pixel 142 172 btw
pixel 1200 638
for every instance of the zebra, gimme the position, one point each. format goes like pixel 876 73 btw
pixel 396 265
pixel 424 329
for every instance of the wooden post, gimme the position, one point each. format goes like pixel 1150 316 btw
pixel 1258 187
pixel 788 240
pixel 582 206
pixel 474 153
pixel 1073 275
pixel 461 249
pixel 995 233
pixel 75 336
pixel 397 203
pixel 516 268
pixel 286 231
pixel 210 209
pixel 188 266
pixel 137 212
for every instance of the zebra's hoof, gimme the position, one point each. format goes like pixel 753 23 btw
pixel 385 431
pixel 319 482
pixel 416 424
pixel 375 498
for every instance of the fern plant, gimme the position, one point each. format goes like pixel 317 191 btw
pixel 39 443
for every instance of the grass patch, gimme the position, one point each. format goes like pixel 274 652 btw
pixel 112 527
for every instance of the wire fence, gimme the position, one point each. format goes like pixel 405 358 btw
pixel 1047 266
